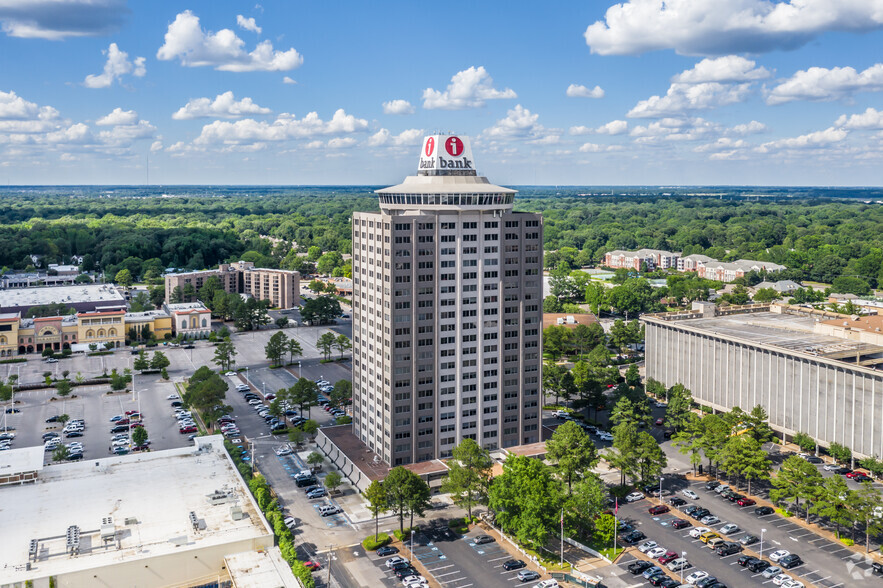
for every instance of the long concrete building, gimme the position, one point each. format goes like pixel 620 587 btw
pixel 280 287
pixel 447 313
pixel 814 372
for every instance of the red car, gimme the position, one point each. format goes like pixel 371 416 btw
pixel 137 425
pixel 312 565
pixel 668 556
pixel 190 429
pixel 745 502
pixel 655 510
pixel 854 473
pixel 659 421
pixel 122 422
pixel 680 524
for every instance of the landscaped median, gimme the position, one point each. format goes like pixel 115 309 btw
pixel 400 542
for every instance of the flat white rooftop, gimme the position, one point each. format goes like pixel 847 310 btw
pixel 18 461
pixel 149 496
pixel 260 569
pixel 64 294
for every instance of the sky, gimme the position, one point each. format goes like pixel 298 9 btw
pixel 643 92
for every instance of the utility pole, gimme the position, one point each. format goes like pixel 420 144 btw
pixel 330 554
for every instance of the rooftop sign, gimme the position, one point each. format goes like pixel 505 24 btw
pixel 446 153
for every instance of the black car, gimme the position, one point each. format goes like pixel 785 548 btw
pixel 638 566
pixel 387 550
pixel 52 419
pixel 73 434
pixel 758 566
pixel 633 537
pixel 120 429
pixel 677 501
pixel 734 497
pixel 745 560
pixel 305 482
pixel 814 459
pixel 706 582
pixel 842 470
pixel 669 583
pixel 75 456
pixel 406 571
pixel 861 478
pixel 513 564
pixel 877 567
pixel 689 510
pixel 700 513
pixel 712 485
pixel 12 410
pixel 728 549
pixel 790 561
pixel 764 510
pixel 188 347
pixel 658 579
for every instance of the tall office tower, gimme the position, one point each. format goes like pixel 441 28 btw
pixel 447 312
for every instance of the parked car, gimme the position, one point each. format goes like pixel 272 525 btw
pixel 513 564
pixel 712 484
pixel 634 497
pixel 633 537
pixel 695 533
pixel 690 494
pixel 764 510
pixel 730 529
pixel 771 571
pixel 528 576
pixel 386 550
pixel 728 549
pixel 778 554
pixel 746 502
pixel 695 576
pixel 679 523
pixel 679 564
pixel 758 565
pixel 676 501
pixel 647 546
pixel 483 539
pixel 638 566
pixel 749 539
pixel 660 509
pixel 668 556
pixel 790 561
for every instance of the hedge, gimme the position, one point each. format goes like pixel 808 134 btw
pixel 14 360
pixel 371 545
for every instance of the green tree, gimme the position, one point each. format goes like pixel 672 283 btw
pixel 527 500
pixel 177 295
pixel 656 389
pixel 766 295
pixel 316 286
pixel 796 480
pixel 678 410
pixel 159 361
pixel 375 494
pixel 333 480
pixel 282 322
pixel 210 287
pixel 315 459
pixel 141 362
pixel 325 343
pixel 605 529
pixel 329 261
pixel 61 453
pixel 276 348
pixel 225 355
pixel 406 493
pixel 343 344
pixel 650 459
pixel 314 253
pixel 304 394
pixel 804 441
pixel 469 474
pixel 123 278
pixel 840 452
pixel 715 432
pixel 689 439
pixel 341 393
pixel 572 452
pixel 157 295
pixel 834 502
pixel 758 421
pixel 140 302
pixel 744 456
pixel 294 349
pixel 321 310
pixel 63 387
pixel 622 456
pixel 188 292
pixel 139 436
pixel 552 375
pixel 206 392
pixel 868 507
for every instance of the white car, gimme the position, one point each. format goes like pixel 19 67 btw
pixel 647 546
pixel 546 584
pixel 690 494
pixel 656 552
pixel 230 374
pixel 696 531
pixel 778 554
pixel 394 560
pixel 282 450
pixel 729 529
pixel 414 581
pixel 781 579
pixel 605 437
pixel 634 497
pixel 288 521
pixel 173 396
pixel 792 583
pixel 695 577
pixel 830 467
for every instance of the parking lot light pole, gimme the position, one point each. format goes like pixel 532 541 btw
pixel 660 489
pixel 684 555
pixel 762 531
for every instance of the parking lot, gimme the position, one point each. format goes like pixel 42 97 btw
pixel 94 405
pixel 827 564
pixel 456 561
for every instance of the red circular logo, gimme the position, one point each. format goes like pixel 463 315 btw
pixel 454 146
pixel 430 146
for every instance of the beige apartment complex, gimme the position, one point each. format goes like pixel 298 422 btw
pixel 280 287
pixel 447 313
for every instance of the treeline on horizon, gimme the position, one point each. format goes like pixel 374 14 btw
pixel 818 233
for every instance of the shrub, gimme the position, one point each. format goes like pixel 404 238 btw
pixel 371 545
pixel 784 512
pixel 848 542
pixel 303 574
pixel 403 536
pixel 459 526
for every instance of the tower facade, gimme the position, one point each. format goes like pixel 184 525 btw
pixel 447 312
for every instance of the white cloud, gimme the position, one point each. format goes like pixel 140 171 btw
pixel 614 127
pixel 156 146
pixel 727 69
pixel 15 107
pixel 124 135
pixel 58 19
pixel 118 116
pixel 581 130
pixel 248 24
pixel 285 127
pixel 186 41
pixel 341 142
pixel 870 119
pixel 813 140
pixel 682 98
pixel 288 80
pixel 223 106
pixel 675 129
pixel 713 27
pixel 384 137
pixel 398 107
pixel 469 88
pixel 521 124
pixel 748 128
pixel 579 91
pixel 722 144
pixel 596 148
pixel 819 83
pixel 116 66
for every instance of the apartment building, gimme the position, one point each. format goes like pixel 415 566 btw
pixel 280 287
pixel 447 313
pixel 638 260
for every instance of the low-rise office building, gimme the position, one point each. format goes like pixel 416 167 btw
pixel 190 319
pixel 813 371
pixel 180 517
pixel 280 287
pixel 81 298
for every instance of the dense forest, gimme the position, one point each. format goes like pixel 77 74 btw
pixel 819 234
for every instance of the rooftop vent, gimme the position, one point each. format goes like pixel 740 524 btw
pixel 194 521
pixel 33 547
pixel 73 539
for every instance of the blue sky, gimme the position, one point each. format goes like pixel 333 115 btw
pixel 641 92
